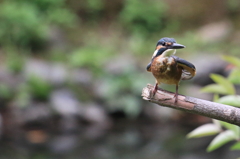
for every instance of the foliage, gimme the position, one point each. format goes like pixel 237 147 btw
pixel 226 132
pixel 39 88
pixel 15 60
pixel 23 95
pixel 5 92
pixel 221 139
pixel 26 23
pixel 93 9
pixel 35 88
pixel 91 56
pixel 205 130
pixel 222 86
pixel 233 5
pixel 141 19
pixel 121 92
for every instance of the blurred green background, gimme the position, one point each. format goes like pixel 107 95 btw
pixel 72 72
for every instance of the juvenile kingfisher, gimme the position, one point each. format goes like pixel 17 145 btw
pixel 167 68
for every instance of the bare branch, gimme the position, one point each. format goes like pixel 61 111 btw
pixel 214 110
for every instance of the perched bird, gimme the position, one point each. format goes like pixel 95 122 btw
pixel 167 68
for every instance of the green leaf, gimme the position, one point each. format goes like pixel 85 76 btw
pixel 232 127
pixel 222 81
pixel 236 146
pixel 233 60
pixel 215 97
pixel 216 122
pixel 221 139
pixel 214 88
pixel 5 91
pixel 204 130
pixel 233 100
pixel 39 88
pixel 234 76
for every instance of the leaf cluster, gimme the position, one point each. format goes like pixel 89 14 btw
pixel 141 19
pixel 225 86
pixel 24 23
pixel 226 133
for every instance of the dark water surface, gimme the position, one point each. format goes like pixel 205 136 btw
pixel 125 140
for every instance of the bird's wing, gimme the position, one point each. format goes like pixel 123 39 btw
pixel 149 67
pixel 189 69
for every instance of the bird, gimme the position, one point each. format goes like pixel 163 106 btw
pixel 168 68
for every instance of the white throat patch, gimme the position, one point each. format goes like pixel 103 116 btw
pixel 169 52
pixel 155 53
pixel 166 53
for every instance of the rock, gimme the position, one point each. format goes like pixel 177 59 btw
pixel 215 32
pixel 63 144
pixel 37 68
pixel 68 124
pixel 81 76
pixel 9 79
pixel 94 113
pixel 37 136
pixel 55 73
pixel 64 102
pixel 36 112
pixel 97 119
pixel 66 105
pixel 207 64
pixel 57 39
pixel 120 64
pixel 58 73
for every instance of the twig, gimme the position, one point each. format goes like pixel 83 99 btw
pixel 214 110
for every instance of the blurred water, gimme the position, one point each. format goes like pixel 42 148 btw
pixel 126 140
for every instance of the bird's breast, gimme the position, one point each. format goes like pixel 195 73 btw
pixel 165 70
pixel 164 64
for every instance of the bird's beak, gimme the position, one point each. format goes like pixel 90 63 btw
pixel 176 46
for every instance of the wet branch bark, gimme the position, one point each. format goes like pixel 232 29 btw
pixel 218 111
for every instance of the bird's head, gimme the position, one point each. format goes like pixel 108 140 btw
pixel 166 47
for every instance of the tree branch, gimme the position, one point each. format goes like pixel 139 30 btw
pixel 214 110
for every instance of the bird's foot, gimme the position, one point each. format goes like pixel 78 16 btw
pixel 153 92
pixel 176 97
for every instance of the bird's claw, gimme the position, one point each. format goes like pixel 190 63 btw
pixel 152 93
pixel 176 97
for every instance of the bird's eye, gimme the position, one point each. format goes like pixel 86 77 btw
pixel 163 44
